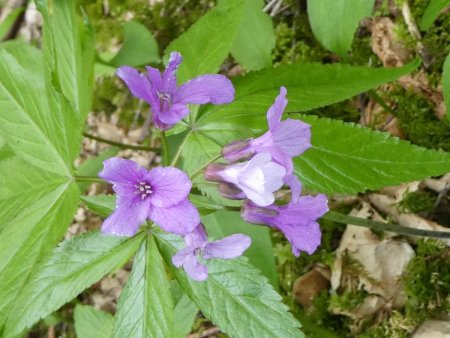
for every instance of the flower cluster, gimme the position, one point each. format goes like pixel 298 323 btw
pixel 266 166
pixel 256 169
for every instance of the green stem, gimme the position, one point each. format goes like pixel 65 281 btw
pixel 346 219
pixel 374 96
pixel 165 148
pixel 88 179
pixel 180 150
pixel 121 145
pixel 199 170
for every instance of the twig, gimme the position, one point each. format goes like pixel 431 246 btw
pixel 121 145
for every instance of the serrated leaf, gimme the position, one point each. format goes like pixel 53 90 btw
pixel 74 266
pixel 260 254
pixel 102 205
pixel 347 158
pixel 184 314
pixel 145 306
pixel 207 43
pixel 139 47
pixel 309 86
pixel 255 38
pixel 334 22
pixel 446 85
pixel 69 50
pixel 432 11
pixel 92 323
pixel 235 297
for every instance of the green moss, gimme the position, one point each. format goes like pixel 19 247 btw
pixel 396 326
pixel 417 201
pixel 418 121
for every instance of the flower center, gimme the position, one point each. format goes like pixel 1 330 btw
pixel 143 189
pixel 165 101
pixel 200 251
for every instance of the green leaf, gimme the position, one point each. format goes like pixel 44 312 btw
pixel 255 38
pixel 74 266
pixel 33 120
pixel 208 42
pixel 309 86
pixel 225 223
pixel 235 297
pixel 145 306
pixel 102 205
pixel 69 50
pixel 92 323
pixel 139 47
pixel 334 22
pixel 432 11
pixel 347 158
pixel 446 85
pixel 184 314
pixel 92 166
pixel 8 22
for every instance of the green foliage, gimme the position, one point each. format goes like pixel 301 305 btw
pixel 446 85
pixel 334 22
pixel 418 121
pixel 145 306
pixel 184 314
pixel 436 41
pixel 255 38
pixel 8 22
pixel 417 201
pixel 432 12
pixel 74 266
pixel 92 323
pixel 212 36
pixel 235 296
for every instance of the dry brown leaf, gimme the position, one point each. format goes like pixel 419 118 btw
pixel 309 285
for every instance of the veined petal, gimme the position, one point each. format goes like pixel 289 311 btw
pixel 120 171
pixel 154 75
pixel 195 270
pixel 230 247
pixel 213 88
pixel 181 218
pixel 138 84
pixel 182 256
pixel 293 137
pixel 305 237
pixel 174 115
pixel 169 78
pixel 276 110
pixel 197 237
pixel 170 186
pixel 296 187
pixel 125 220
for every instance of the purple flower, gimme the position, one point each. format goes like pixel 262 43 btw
pixel 297 220
pixel 159 195
pixel 169 103
pixel 197 247
pixel 284 140
pixel 256 179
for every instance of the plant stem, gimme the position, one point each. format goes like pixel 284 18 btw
pixel 121 145
pixel 180 150
pixel 346 219
pixel 88 179
pixel 165 148
pixel 199 170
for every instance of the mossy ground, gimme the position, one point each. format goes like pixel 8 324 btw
pixel 428 278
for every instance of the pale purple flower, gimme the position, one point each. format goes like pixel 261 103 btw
pixel 159 195
pixel 256 179
pixel 297 219
pixel 169 102
pixel 284 139
pixel 198 247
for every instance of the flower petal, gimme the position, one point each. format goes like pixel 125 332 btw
pixel 170 186
pixel 169 78
pixel 197 237
pixel 181 218
pixel 138 84
pixel 182 256
pixel 276 110
pixel 195 270
pixel 174 115
pixel 215 88
pixel 230 247
pixel 305 237
pixel 293 137
pixel 120 171
pixel 126 219
pixel 154 75
pixel 296 187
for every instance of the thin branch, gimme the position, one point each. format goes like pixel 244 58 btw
pixel 121 145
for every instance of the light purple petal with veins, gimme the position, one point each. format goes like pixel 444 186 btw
pixel 276 110
pixel 181 218
pixel 216 89
pixel 182 256
pixel 125 220
pixel 296 187
pixel 173 115
pixel 169 78
pixel 138 84
pixel 195 269
pixel 230 247
pixel 169 186
pixel 197 237
pixel 292 137
pixel 120 171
